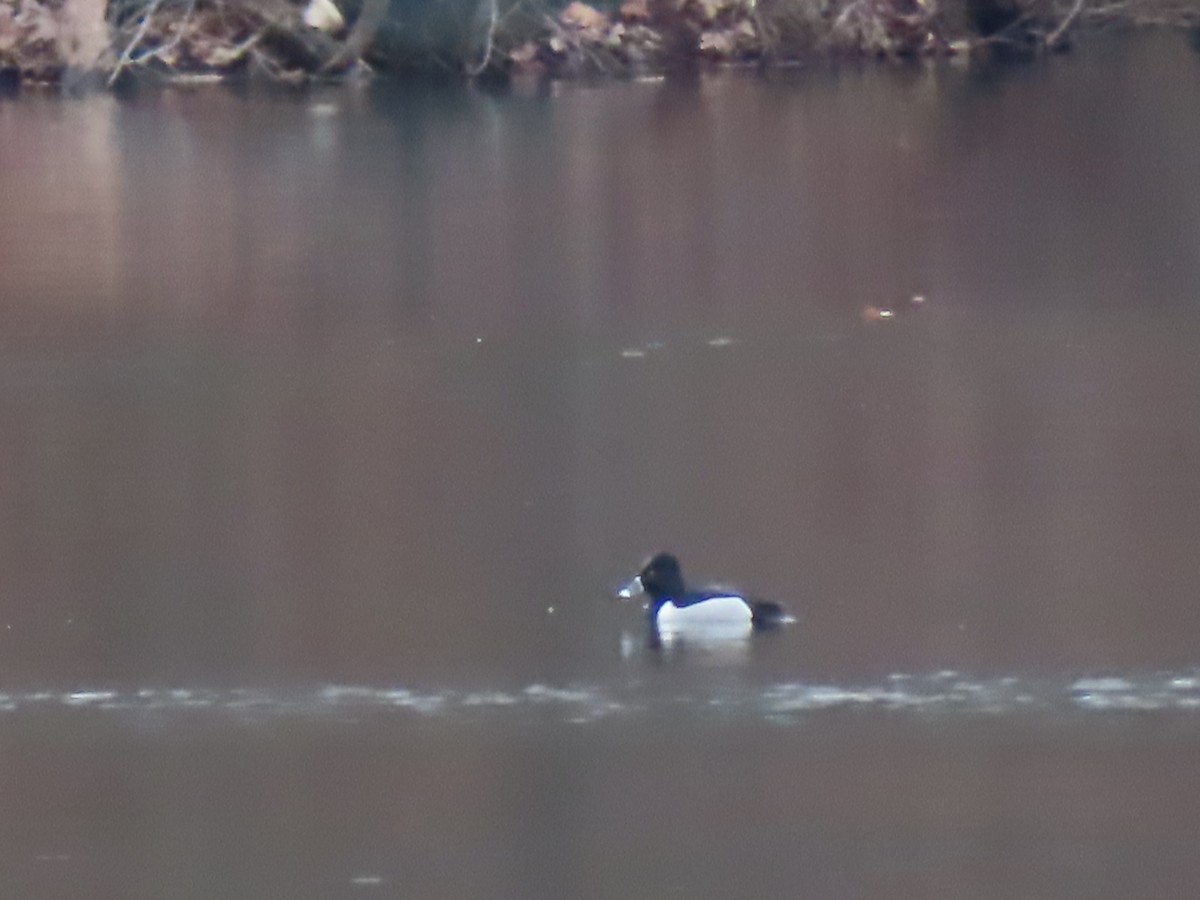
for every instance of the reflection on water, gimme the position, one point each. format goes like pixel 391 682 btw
pixel 328 422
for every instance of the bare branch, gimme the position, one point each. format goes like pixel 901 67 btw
pixel 1055 38
pixel 493 15
pixel 181 28
pixel 368 21
pixel 127 56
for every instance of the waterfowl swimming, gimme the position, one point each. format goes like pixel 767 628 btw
pixel 705 613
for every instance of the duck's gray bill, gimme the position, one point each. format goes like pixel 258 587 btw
pixel 631 590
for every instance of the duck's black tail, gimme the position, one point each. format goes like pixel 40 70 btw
pixel 766 615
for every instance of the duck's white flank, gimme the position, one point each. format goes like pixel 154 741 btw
pixel 714 611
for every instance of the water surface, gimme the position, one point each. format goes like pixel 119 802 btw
pixel 329 422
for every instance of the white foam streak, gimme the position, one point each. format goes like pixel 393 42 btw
pixel 939 693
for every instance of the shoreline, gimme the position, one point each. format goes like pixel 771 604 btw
pixel 56 43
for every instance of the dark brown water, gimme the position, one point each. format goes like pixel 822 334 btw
pixel 328 424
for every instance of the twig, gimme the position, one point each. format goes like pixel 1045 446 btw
pixel 573 41
pixel 127 55
pixel 493 15
pixel 1165 14
pixel 180 31
pixel 850 12
pixel 1054 38
pixel 1009 35
pixel 363 30
pixel 767 34
pixel 227 54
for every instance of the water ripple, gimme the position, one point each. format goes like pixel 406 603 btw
pixel 939 693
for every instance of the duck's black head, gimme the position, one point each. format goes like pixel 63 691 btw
pixel 662 577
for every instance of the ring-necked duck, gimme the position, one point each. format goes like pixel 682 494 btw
pixel 706 612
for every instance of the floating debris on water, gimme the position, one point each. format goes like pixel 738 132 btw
pixel 872 314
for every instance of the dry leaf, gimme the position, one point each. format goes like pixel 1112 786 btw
pixel 323 15
pixel 635 11
pixel 580 15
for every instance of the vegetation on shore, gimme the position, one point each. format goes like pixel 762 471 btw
pixel 296 41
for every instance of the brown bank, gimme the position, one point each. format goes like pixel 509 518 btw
pixel 52 41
